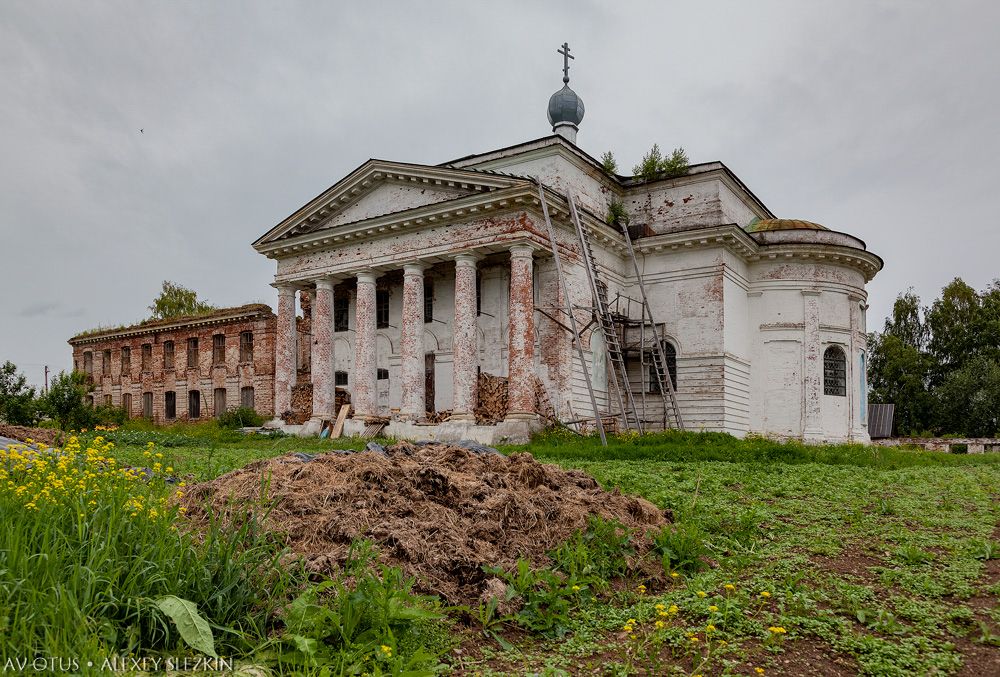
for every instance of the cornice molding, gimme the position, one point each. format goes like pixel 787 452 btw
pixel 174 326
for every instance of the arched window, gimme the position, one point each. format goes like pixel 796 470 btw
pixel 670 355
pixel 834 372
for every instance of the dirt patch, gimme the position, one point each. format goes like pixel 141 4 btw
pixel 850 562
pixel 46 436
pixel 440 512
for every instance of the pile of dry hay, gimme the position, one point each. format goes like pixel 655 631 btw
pixel 440 512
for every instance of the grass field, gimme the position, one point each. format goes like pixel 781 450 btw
pixel 814 560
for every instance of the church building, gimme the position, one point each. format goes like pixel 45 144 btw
pixel 423 279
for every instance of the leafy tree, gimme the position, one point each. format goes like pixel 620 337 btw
pixel 898 373
pixel 655 166
pixel 953 321
pixel 175 301
pixel 969 398
pixel 17 399
pixel 65 400
pixel 609 164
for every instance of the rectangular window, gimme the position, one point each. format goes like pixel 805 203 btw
pixel 340 378
pixel 192 352
pixel 220 402
pixel 194 404
pixel 219 349
pixel 107 400
pixel 170 404
pixel 147 405
pixel 246 397
pixel 106 362
pixel 126 360
pixel 341 313
pixel 168 355
pixel 382 308
pixel 428 301
pixel 246 346
pixel 147 357
pixel 90 401
pixel 88 363
pixel 382 375
pixel 127 404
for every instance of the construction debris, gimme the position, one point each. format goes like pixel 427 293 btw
pixel 48 436
pixel 441 512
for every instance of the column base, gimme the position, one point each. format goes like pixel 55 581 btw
pixel 521 416
pixel 275 423
pixel 313 426
pixel 468 418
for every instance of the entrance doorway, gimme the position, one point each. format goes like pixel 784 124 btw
pixel 429 382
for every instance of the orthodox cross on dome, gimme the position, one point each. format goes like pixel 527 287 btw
pixel 566 57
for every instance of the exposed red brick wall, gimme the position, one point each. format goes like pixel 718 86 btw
pixel 206 377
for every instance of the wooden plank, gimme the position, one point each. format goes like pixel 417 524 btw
pixel 338 427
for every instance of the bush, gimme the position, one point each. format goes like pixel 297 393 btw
pixel 241 417
pixel 655 166
pixel 681 547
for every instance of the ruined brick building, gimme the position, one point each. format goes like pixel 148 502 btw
pixel 419 277
pixel 186 368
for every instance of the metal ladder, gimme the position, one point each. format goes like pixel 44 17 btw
pixel 659 359
pixel 612 343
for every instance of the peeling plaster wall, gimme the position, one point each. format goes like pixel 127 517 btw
pixel 388 197
pixel 780 354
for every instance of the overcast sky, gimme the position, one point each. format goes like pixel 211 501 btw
pixel 876 118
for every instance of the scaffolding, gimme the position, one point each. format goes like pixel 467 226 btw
pixel 629 329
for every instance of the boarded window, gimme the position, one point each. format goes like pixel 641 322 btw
pixel 382 374
pixel 246 397
pixel 194 404
pixel 126 360
pixel 834 372
pixel 670 355
pixel 219 349
pixel 246 346
pixel 220 401
pixel 107 400
pixel 147 357
pixel 168 355
pixel 340 378
pixel 428 301
pixel 192 352
pixel 127 404
pixel 341 305
pixel 147 405
pixel 88 363
pixel 170 404
pixel 106 362
pixel 382 308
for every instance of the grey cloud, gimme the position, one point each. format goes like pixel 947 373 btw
pixel 876 118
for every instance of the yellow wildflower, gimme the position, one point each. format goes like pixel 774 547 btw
pixel 702 594
pixel 777 630
pixel 729 586
pixel 713 608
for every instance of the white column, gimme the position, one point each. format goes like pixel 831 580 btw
pixel 411 344
pixel 284 352
pixel 521 336
pixel 465 341
pixel 364 394
pixel 321 359
pixel 812 374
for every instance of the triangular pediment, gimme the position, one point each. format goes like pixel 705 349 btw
pixel 378 188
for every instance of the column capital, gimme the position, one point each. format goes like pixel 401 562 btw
pixel 522 251
pixel 365 276
pixel 284 288
pixel 467 259
pixel 414 268
pixel 324 283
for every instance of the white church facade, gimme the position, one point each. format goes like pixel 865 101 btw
pixel 423 276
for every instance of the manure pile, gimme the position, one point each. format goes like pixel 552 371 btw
pixel 440 512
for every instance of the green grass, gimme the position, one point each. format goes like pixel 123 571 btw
pixel 874 554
